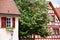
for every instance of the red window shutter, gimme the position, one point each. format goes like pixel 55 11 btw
pixel 3 20
pixel 13 22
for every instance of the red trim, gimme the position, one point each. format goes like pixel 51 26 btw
pixel 59 26
pixel 13 22
pixel 3 19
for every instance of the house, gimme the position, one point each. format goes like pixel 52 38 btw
pixel 54 25
pixel 8 20
pixel 56 11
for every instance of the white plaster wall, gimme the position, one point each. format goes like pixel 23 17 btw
pixel 15 36
pixel 4 35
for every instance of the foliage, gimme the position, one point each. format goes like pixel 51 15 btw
pixel 33 18
pixel 9 28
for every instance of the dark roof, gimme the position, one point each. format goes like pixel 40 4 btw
pixel 8 7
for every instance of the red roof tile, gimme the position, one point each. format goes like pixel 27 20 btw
pixel 58 12
pixel 8 7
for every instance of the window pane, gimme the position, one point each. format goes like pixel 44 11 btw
pixel 53 18
pixel 56 31
pixel 8 23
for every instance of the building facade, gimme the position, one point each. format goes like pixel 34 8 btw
pixel 54 25
pixel 8 20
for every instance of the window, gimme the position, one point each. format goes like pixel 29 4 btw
pixel 8 22
pixel 50 11
pixel 56 31
pixel 53 18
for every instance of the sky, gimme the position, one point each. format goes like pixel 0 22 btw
pixel 56 3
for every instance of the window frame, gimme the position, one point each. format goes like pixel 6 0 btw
pixel 53 19
pixel 11 22
pixel 55 31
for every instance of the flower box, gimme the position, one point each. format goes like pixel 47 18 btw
pixel 9 28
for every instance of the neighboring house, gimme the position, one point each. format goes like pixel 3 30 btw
pixel 54 25
pixel 8 18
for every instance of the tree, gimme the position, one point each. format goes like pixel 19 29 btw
pixel 33 18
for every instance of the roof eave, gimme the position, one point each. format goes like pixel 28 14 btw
pixel 11 14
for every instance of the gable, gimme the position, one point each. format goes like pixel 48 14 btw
pixel 56 10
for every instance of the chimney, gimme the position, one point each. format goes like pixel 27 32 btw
pixel 8 7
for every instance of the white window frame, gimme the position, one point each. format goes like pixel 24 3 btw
pixel 11 21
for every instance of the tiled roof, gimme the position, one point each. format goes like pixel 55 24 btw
pixel 58 12
pixel 8 7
